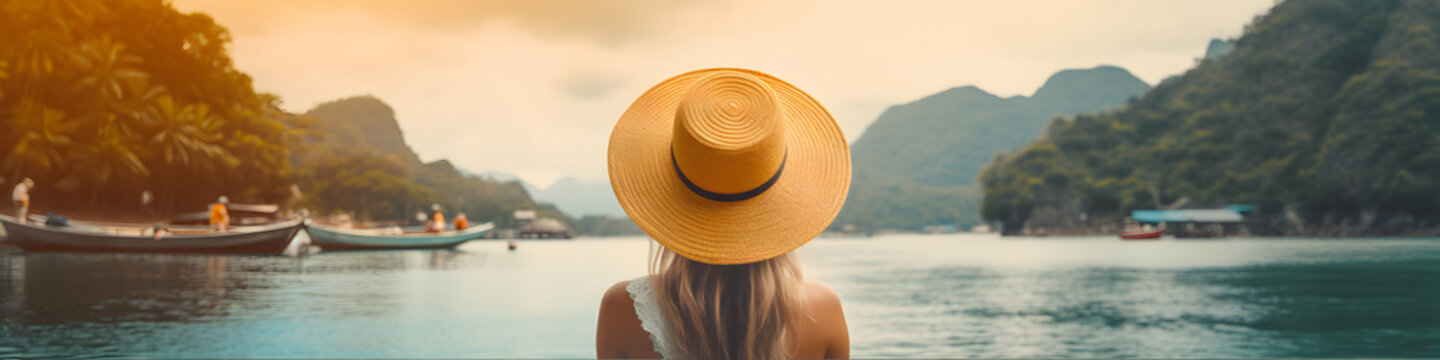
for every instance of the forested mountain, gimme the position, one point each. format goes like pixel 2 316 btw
pixel 1323 116
pixel 917 163
pixel 355 160
pixel 362 120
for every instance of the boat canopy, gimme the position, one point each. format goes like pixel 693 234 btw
pixel 1188 215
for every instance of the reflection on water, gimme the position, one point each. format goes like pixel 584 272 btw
pixel 954 296
pixel 478 301
pixel 1105 298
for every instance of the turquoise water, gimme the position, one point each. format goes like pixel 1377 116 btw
pixel 916 296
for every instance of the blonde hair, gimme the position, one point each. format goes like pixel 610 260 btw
pixel 745 311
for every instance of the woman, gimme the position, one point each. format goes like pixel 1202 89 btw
pixel 729 170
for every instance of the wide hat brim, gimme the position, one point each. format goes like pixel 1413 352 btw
pixel 798 207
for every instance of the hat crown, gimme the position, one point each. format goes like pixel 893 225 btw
pixel 729 136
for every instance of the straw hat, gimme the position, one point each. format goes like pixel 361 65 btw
pixel 729 166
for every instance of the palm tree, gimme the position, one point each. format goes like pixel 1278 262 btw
pixel 110 72
pixel 41 138
pixel 140 94
pixel 183 133
pixel 4 74
pixel 113 153
pixel 49 28
pixel 106 67
pixel 44 42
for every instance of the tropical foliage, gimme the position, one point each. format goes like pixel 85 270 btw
pixel 1323 117
pixel 102 100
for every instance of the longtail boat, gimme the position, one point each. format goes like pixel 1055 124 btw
pixel 79 237
pixel 1143 235
pixel 332 238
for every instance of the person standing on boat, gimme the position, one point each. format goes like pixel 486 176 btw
pixel 21 197
pixel 219 215
pixel 461 222
pixel 437 220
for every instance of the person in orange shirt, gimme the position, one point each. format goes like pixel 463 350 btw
pixel 437 220
pixel 220 216
pixel 461 223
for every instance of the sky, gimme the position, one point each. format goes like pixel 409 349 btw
pixel 533 88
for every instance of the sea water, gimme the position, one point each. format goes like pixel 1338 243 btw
pixel 904 296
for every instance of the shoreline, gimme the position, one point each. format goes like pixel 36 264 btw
pixel 1325 232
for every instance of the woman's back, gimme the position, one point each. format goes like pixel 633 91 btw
pixel 625 333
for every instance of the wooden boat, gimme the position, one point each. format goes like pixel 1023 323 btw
pixel 1143 235
pixel 79 237
pixel 331 238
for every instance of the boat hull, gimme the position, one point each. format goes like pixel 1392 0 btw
pixel 266 240
pixel 330 239
pixel 1149 235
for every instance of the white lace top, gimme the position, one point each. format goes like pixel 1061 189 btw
pixel 646 308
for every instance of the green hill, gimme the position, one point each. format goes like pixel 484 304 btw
pixel 917 163
pixel 1323 116
pixel 355 160
pixel 362 120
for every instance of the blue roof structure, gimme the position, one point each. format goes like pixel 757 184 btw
pixel 1188 215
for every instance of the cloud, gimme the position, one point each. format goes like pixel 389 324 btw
pixel 611 22
pixel 591 84
pixel 533 88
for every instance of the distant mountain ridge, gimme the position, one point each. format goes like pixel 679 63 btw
pixel 505 177
pixel 571 195
pixel 579 197
pixel 946 138
pixel 917 163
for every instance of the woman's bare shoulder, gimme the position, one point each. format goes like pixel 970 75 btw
pixel 617 294
pixel 619 333
pixel 821 296
pixel 828 335
pixel 617 309
pixel 823 305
